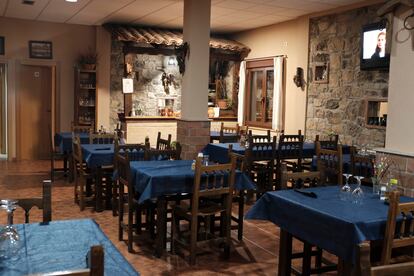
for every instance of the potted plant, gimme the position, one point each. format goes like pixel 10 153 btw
pixel 88 60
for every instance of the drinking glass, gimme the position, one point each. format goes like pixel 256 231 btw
pixel 358 194
pixel 10 241
pixel 345 189
pixel 205 159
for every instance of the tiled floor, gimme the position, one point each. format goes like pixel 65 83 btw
pixel 256 255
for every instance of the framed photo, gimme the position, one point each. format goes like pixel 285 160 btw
pixel 40 49
pixel 321 73
pixel 2 52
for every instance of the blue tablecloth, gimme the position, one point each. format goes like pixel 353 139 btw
pixel 63 140
pixel 157 178
pixel 218 152
pixel 62 245
pixel 326 221
pixel 98 155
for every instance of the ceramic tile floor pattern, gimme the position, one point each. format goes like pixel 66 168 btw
pixel 256 255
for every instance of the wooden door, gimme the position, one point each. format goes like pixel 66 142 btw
pixel 34 112
pixel 3 100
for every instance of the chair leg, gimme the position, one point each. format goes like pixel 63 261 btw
pixel 307 257
pixel 241 216
pixel 82 193
pixel 174 232
pixel 120 217
pixel 318 258
pixel 193 240
pixel 130 226
pixel 114 198
pixel 138 219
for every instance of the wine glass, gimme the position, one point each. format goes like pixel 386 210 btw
pixel 10 242
pixel 345 189
pixel 358 194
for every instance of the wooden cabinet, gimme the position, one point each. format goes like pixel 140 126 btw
pixel 85 97
pixel 376 110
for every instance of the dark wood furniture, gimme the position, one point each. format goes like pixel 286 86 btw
pixel 56 155
pixel 163 144
pixel 229 134
pixel 44 203
pixel 376 113
pixel 259 162
pixel 329 163
pixel 362 165
pixel 330 143
pixel 398 235
pixel 259 138
pixel 166 154
pixel 82 175
pixel 210 182
pixel 400 269
pixel 102 138
pixel 85 97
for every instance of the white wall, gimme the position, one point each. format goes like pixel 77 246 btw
pixel 400 126
pixel 288 38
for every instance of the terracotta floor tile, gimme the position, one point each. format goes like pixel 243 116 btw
pixel 256 255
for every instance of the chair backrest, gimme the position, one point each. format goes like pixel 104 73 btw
pixel 77 156
pixel 362 165
pixel 290 147
pixel 399 269
pixel 329 163
pixel 233 134
pixel 135 152
pixel 163 144
pixel 167 154
pixel 102 138
pixel 299 179
pixel 244 130
pixel 44 203
pixel 259 138
pixel 399 229
pixel 94 260
pixel 124 174
pixel 212 181
pixel 82 128
pixel 330 143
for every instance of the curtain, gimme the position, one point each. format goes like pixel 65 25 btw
pixel 242 92
pixel 277 116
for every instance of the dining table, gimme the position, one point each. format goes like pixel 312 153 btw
pixel 63 140
pixel 158 179
pixel 324 220
pixel 60 246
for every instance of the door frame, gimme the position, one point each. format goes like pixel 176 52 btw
pixel 6 110
pixel 53 65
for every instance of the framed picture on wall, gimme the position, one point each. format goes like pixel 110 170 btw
pixel 2 52
pixel 40 49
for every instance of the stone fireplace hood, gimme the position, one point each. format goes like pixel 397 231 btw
pixel 166 37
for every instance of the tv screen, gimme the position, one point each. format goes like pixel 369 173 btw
pixel 374 53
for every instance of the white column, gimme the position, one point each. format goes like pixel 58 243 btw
pixel 196 32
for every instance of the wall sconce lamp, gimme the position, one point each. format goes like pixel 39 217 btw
pixel 171 61
pixel 298 79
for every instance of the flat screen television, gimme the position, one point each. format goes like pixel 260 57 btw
pixel 374 53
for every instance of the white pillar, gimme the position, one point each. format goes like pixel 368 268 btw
pixel 196 32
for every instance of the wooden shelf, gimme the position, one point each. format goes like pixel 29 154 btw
pixel 85 89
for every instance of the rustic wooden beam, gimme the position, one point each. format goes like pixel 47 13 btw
pixel 149 51
pixel 391 5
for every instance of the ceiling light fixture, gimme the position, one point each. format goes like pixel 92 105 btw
pixel 71 1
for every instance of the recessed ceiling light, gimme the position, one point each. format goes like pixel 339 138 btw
pixel 72 1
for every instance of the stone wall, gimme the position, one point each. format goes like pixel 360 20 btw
pixel 339 105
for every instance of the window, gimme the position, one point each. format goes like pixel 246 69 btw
pixel 259 93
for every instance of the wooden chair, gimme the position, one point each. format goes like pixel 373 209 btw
pixel 398 232
pixel 95 263
pixel 56 155
pixel 290 152
pixel 244 130
pixel 135 152
pixel 362 165
pixel 400 269
pixel 134 208
pixel 81 173
pixel 82 128
pixel 210 182
pixel 166 154
pixel 233 134
pixel 44 203
pixel 163 144
pixel 300 180
pixel 330 143
pixel 259 162
pixel 102 138
pixel 329 163
pixel 259 138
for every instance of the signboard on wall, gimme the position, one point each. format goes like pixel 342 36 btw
pixel 127 85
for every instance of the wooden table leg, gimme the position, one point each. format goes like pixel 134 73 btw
pixel 285 253
pixel 161 227
pixel 98 189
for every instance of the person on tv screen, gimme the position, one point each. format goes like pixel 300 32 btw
pixel 380 49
